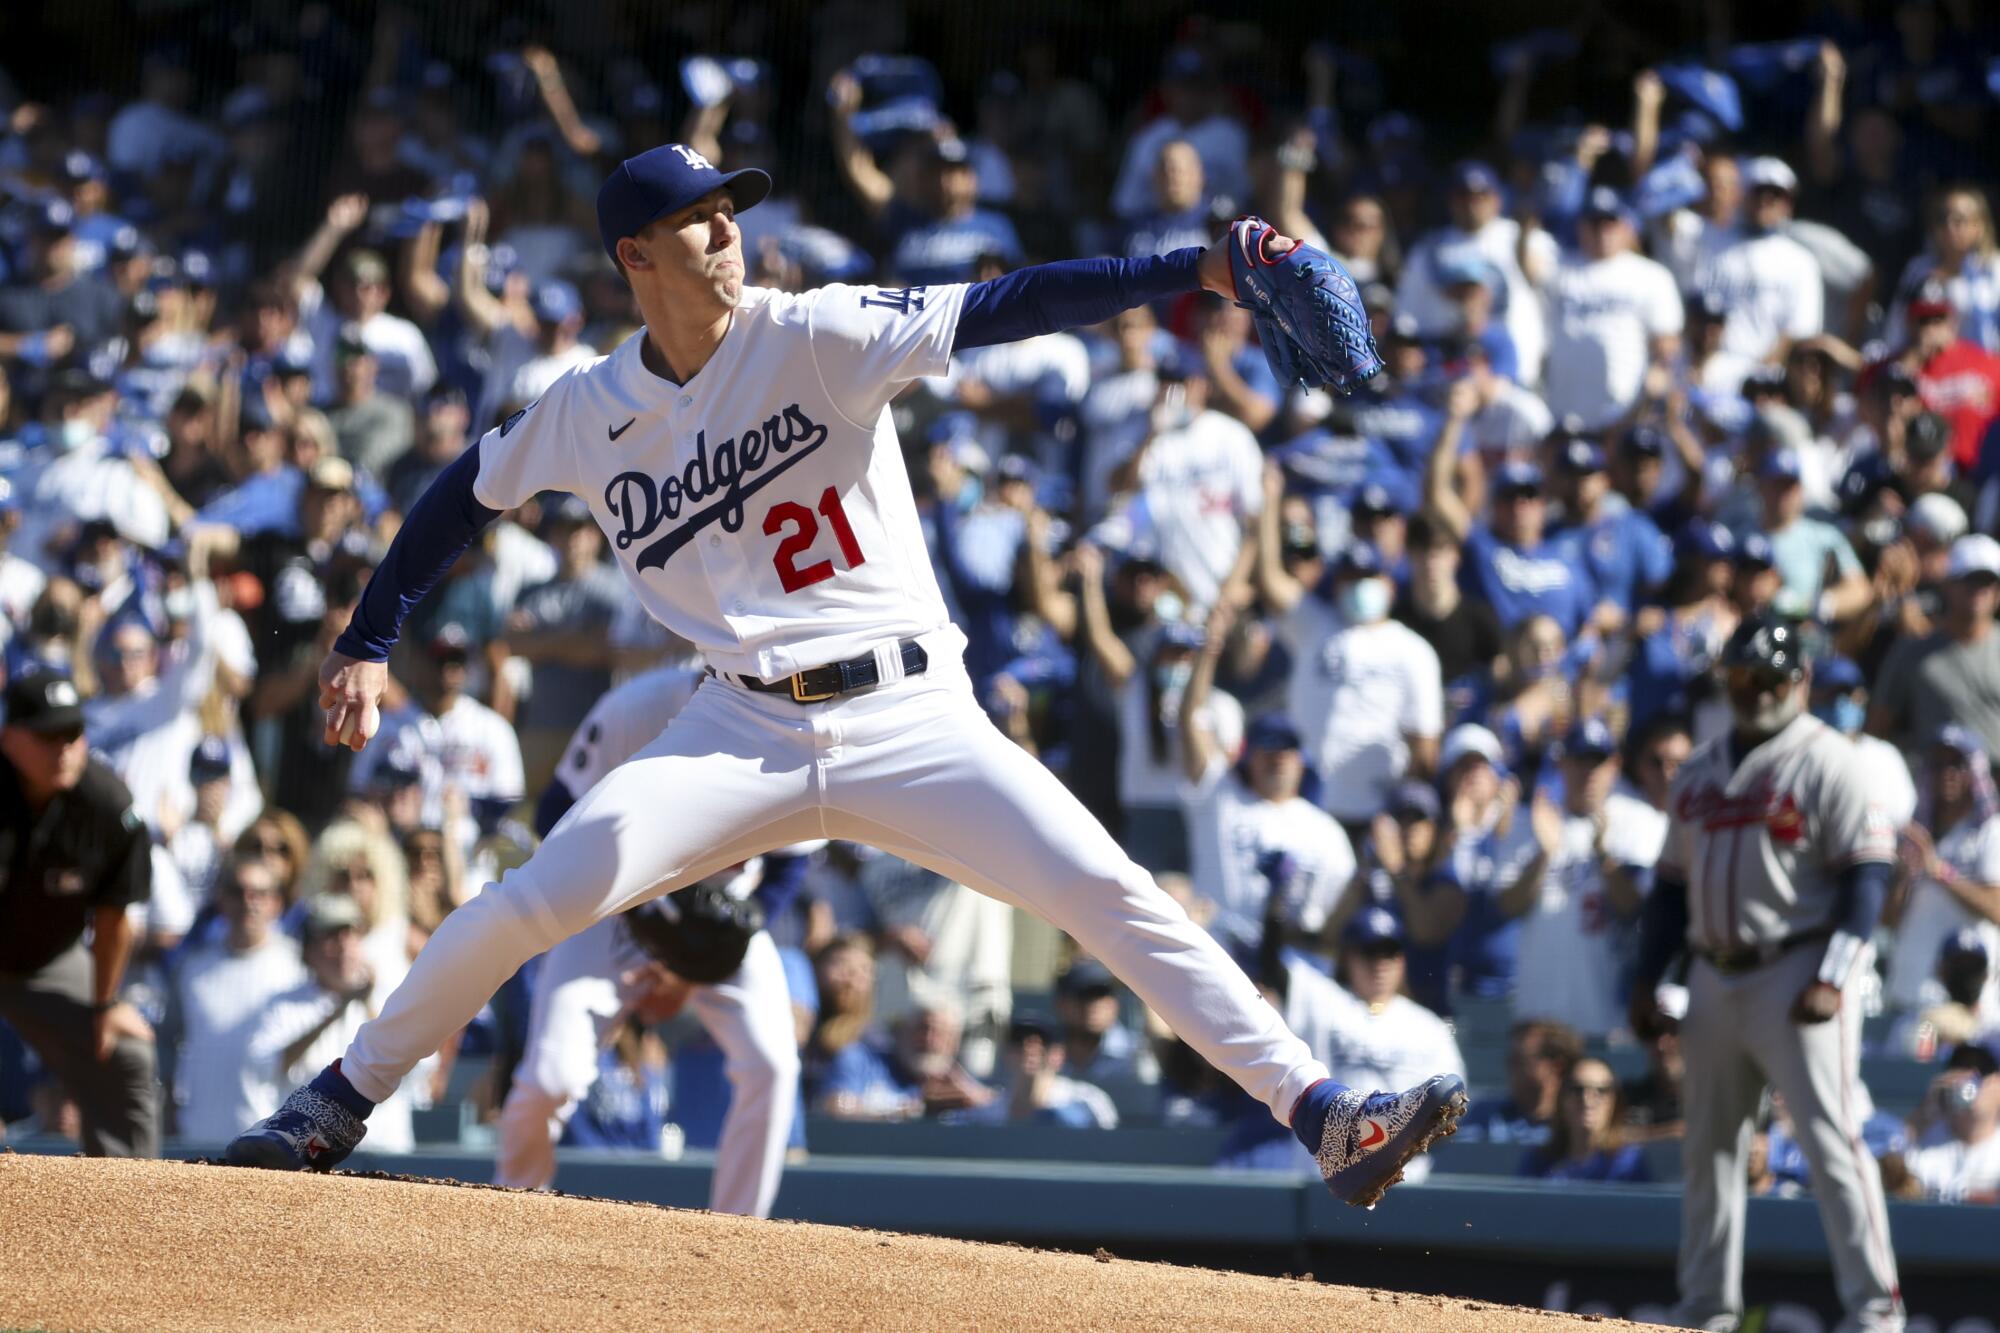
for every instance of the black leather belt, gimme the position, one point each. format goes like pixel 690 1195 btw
pixel 835 678
pixel 1735 962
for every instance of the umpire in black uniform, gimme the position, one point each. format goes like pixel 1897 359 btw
pixel 73 854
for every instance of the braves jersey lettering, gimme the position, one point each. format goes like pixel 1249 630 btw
pixel 1762 847
pixel 641 507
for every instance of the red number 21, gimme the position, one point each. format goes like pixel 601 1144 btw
pixel 801 529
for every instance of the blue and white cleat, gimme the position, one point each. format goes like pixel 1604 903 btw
pixel 1365 1141
pixel 319 1124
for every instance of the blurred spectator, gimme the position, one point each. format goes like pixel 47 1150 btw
pixel 1488 846
pixel 1511 563
pixel 559 627
pixel 220 996
pixel 353 860
pixel 1365 690
pixel 80 476
pixel 1035 1090
pixel 1956 377
pixel 1463 631
pixel 1948 871
pixel 1964 256
pixel 1954 1006
pixel 1840 699
pixel 1946 677
pixel 374 429
pixel 1627 556
pixel 1540 1058
pixel 1957 1159
pixel 1817 565
pixel 1097 1045
pixel 1769 284
pixel 1574 913
pixel 309 1026
pixel 1195 110
pixel 940 942
pixel 1178 216
pixel 1195 482
pixel 1585 1142
pixel 78 859
pixel 1513 250
pixel 1369 1033
pixel 1652 1101
pixel 1250 831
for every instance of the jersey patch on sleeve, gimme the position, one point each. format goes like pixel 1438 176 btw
pixel 902 300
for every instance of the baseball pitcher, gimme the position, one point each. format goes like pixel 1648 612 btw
pixel 1774 873
pixel 739 454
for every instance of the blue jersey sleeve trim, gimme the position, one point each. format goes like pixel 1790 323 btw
pixel 1046 298
pixel 438 528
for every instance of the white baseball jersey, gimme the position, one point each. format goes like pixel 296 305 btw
pixel 1356 693
pixel 1568 967
pixel 1603 316
pixel 761 511
pixel 1770 286
pixel 1231 828
pixel 1500 243
pixel 1761 846
pixel 468 746
pixel 1198 486
pixel 624 719
pixel 1155 780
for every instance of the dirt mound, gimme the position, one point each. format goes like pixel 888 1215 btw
pixel 89 1244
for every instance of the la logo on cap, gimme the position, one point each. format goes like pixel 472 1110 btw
pixel 60 694
pixel 692 158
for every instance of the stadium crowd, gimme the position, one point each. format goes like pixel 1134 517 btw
pixel 1388 689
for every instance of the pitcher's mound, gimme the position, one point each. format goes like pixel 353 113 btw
pixel 91 1244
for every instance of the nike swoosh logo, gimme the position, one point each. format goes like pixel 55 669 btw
pixel 1374 1136
pixel 616 431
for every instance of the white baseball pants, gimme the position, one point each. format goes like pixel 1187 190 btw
pixel 578 1004
pixel 914 768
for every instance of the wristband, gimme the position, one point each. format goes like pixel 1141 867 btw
pixel 1841 953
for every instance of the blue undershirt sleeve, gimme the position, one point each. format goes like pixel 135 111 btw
pixel 436 531
pixel 1046 298
pixel 1663 925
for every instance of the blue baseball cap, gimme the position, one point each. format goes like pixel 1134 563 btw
pixel 556 301
pixel 1965 942
pixel 1474 177
pixel 1783 464
pixel 1359 561
pixel 1755 549
pixel 1372 925
pixel 1272 731
pixel 1582 457
pixel 1648 441
pixel 1605 202
pixel 209 761
pixel 1837 675
pixel 1517 475
pixel 1705 539
pixel 1382 495
pixel 1593 740
pixel 664 180
pixel 1464 266
pixel 1415 797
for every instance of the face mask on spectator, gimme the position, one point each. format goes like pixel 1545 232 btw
pixel 1844 714
pixel 77 432
pixel 1365 601
pixel 1168 606
pixel 1172 677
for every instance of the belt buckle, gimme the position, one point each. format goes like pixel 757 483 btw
pixel 799 695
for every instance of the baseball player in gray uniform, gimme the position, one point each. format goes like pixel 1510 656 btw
pixel 739 453
pixel 1775 870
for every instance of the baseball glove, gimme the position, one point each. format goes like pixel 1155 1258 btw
pixel 1307 309
pixel 699 934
